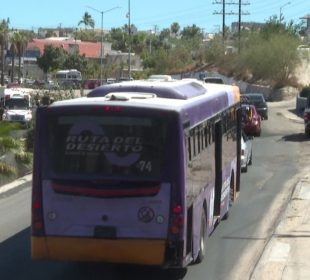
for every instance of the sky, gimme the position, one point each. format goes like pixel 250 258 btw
pixel 147 15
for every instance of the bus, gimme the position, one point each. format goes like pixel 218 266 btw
pixel 136 176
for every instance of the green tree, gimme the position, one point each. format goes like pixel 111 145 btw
pixel 10 145
pixel 87 35
pixel 270 54
pixel 164 34
pixel 13 50
pixel 275 26
pixel 273 60
pixel 118 38
pixel 175 28
pixel 74 61
pixel 191 32
pixel 21 42
pixel 52 59
pixel 50 33
pixel 87 20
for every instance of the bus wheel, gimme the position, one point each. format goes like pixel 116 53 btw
pixel 202 241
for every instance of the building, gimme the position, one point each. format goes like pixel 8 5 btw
pixel 307 18
pixel 91 51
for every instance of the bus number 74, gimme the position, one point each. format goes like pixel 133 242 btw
pixel 144 165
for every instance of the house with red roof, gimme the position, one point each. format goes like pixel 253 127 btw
pixel 91 51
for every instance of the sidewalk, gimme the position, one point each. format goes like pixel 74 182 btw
pixel 287 255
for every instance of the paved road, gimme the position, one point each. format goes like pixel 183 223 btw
pixel 234 248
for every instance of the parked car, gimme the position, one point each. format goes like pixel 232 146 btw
pixel 258 100
pixel 251 120
pixel 246 151
pixel 91 83
pixel 307 117
pixel 301 99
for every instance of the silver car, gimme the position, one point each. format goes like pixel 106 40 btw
pixel 246 151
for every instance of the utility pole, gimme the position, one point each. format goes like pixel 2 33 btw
pixel 224 13
pixel 239 22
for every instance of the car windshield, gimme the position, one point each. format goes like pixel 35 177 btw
pixel 17 104
pixel 257 100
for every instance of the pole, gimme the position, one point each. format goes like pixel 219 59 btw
pixel 101 43
pixel 280 16
pixel 223 21
pixel 129 45
pixel 239 28
pixel 101 49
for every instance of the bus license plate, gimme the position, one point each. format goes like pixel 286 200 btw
pixel 105 232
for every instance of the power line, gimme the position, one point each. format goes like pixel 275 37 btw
pixel 239 13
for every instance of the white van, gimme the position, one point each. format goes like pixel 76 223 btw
pixel 69 78
pixel 17 106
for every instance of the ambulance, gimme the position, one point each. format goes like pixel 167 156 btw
pixel 16 106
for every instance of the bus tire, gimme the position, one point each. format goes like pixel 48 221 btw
pixel 202 239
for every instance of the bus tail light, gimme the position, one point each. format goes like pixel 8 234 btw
pixel 177 210
pixel 37 215
pixel 37 224
pixel 177 220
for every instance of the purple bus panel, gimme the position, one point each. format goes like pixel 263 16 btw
pixel 115 218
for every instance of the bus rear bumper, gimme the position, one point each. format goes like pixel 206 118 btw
pixel 127 251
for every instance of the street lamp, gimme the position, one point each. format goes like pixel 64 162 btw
pixel 101 44
pixel 280 19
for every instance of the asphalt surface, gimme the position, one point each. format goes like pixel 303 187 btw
pixel 287 254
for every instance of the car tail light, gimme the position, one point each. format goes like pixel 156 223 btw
pixel 306 116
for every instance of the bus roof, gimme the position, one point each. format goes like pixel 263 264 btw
pixel 174 89
pixel 216 98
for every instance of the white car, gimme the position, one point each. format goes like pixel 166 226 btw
pixel 246 151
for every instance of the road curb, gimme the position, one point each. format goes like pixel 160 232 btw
pixel 15 183
pixel 286 252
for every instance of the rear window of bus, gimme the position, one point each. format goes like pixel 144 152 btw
pixel 106 145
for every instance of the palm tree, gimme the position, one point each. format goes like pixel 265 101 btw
pixel 22 40
pixel 13 49
pixel 4 30
pixel 175 28
pixel 87 20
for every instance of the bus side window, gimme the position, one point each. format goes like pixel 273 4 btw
pixel 206 136
pixel 199 148
pixel 210 134
pixel 194 142
pixel 202 142
pixel 189 148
